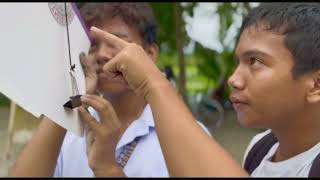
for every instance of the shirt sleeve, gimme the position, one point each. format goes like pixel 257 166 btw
pixel 58 169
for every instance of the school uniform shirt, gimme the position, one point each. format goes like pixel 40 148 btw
pixel 145 161
pixel 297 166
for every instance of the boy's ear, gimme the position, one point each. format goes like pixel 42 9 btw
pixel 313 95
pixel 153 51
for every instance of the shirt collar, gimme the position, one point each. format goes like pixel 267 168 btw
pixel 140 127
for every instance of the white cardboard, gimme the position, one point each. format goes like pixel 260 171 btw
pixel 34 61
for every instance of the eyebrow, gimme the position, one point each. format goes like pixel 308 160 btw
pixel 255 53
pixel 251 53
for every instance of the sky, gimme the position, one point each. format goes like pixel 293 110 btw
pixel 204 26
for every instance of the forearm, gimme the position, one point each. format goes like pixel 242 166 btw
pixel 40 155
pixel 187 150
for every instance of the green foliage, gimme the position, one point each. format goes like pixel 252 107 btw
pixel 164 13
pixel 225 10
pixel 165 16
pixel 4 101
pixel 208 63
pixel 206 69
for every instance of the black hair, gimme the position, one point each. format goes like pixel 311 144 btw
pixel 137 15
pixel 300 25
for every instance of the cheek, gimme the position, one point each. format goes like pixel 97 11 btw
pixel 273 101
pixel 277 91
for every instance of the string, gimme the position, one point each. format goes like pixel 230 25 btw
pixel 75 90
pixel 68 37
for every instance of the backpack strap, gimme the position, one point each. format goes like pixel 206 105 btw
pixel 315 168
pixel 258 152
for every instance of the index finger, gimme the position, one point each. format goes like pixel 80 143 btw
pixel 101 105
pixel 108 37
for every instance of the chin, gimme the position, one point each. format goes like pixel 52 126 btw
pixel 249 122
pixel 112 89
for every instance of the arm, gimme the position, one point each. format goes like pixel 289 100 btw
pixel 40 155
pixel 188 151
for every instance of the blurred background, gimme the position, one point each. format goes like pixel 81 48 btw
pixel 197 41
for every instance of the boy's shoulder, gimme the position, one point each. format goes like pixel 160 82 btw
pixel 253 141
pixel 262 143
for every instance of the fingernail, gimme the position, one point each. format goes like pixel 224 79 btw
pixel 81 57
pixel 82 54
pixel 93 28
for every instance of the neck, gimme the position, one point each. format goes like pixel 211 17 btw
pixel 128 107
pixel 300 133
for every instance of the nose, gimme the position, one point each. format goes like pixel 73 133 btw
pixel 236 80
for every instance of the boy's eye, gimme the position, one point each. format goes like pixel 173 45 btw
pixel 253 60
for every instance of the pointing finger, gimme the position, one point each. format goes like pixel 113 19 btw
pixel 108 38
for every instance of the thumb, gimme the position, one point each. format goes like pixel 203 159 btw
pixel 87 64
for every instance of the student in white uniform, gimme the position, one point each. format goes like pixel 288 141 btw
pixel 276 86
pixel 133 146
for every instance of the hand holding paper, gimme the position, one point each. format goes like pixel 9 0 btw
pixel 102 144
pixel 89 68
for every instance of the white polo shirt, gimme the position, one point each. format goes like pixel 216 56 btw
pixel 297 166
pixel 145 161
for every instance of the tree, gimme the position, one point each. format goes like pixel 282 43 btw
pixel 179 38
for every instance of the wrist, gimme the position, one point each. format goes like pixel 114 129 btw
pixel 157 86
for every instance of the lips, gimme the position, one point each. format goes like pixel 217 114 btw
pixel 238 102
pixel 237 99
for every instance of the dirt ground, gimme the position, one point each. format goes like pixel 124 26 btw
pixel 231 135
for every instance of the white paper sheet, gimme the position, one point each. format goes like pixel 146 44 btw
pixel 34 60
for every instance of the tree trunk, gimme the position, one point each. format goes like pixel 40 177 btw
pixel 179 40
